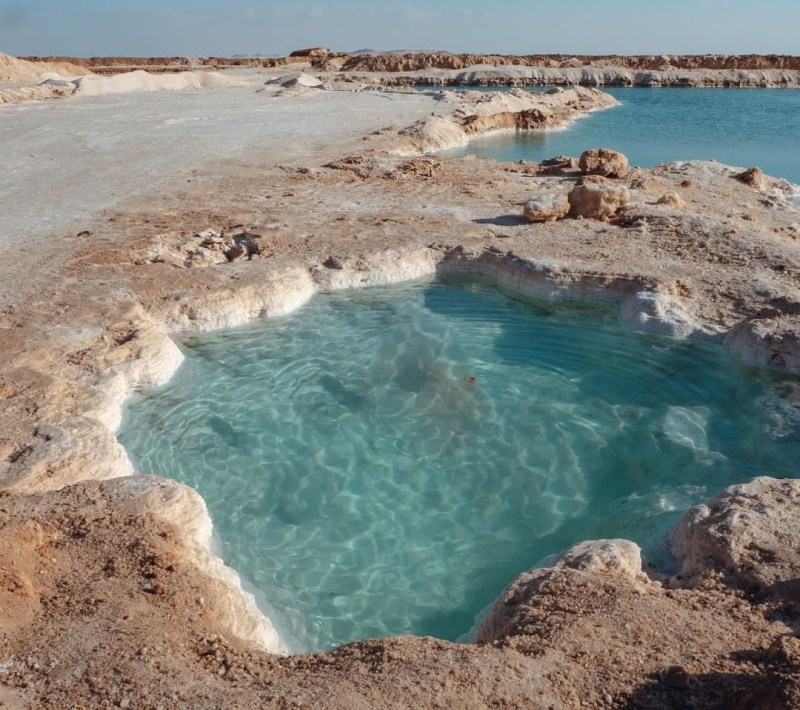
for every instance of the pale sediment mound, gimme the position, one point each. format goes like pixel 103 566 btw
pixel 20 71
pixel 143 81
pixel 46 90
pixel 301 79
pixel 469 114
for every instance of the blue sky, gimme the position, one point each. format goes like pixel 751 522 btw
pixel 206 27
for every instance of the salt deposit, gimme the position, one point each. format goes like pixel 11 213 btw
pixel 143 81
pixel 19 71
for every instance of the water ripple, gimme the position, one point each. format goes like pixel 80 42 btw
pixel 366 485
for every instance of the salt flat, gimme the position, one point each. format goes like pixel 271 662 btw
pixel 66 160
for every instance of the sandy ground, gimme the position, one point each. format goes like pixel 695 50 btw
pixel 107 593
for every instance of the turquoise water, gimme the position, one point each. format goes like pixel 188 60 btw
pixel 743 127
pixel 360 482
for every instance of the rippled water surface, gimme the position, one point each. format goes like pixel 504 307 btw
pixel 366 487
pixel 742 127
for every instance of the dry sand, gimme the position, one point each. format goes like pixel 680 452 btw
pixel 109 598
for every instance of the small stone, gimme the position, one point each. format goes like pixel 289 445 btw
pixel 672 199
pixel 676 677
pixel 753 177
pixel 333 262
pixel 124 703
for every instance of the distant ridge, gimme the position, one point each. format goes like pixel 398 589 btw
pixel 323 59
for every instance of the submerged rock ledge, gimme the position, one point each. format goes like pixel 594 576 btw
pixel 110 590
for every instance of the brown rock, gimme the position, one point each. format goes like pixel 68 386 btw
pixel 558 166
pixel 605 162
pixel 597 198
pixel 311 52
pixel 754 177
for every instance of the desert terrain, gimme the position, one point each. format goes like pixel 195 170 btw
pixel 139 207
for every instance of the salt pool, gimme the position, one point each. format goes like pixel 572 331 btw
pixel 366 486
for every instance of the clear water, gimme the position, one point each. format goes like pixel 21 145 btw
pixel 744 127
pixel 367 488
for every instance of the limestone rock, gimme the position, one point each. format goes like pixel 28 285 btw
pixel 774 342
pixel 547 206
pixel 241 246
pixel 597 198
pixel 604 162
pixel 672 199
pixel 754 177
pixel 621 557
pixel 618 562
pixel 559 165
pixel 747 532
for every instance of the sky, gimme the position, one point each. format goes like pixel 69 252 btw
pixel 209 27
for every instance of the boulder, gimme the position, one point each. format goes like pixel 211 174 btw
pixel 604 162
pixel 597 198
pixel 747 532
pixel 547 206
pixel 609 564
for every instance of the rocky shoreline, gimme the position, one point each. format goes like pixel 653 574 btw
pixel 586 76
pixel 599 628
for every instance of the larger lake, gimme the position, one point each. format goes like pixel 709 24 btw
pixel 743 127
